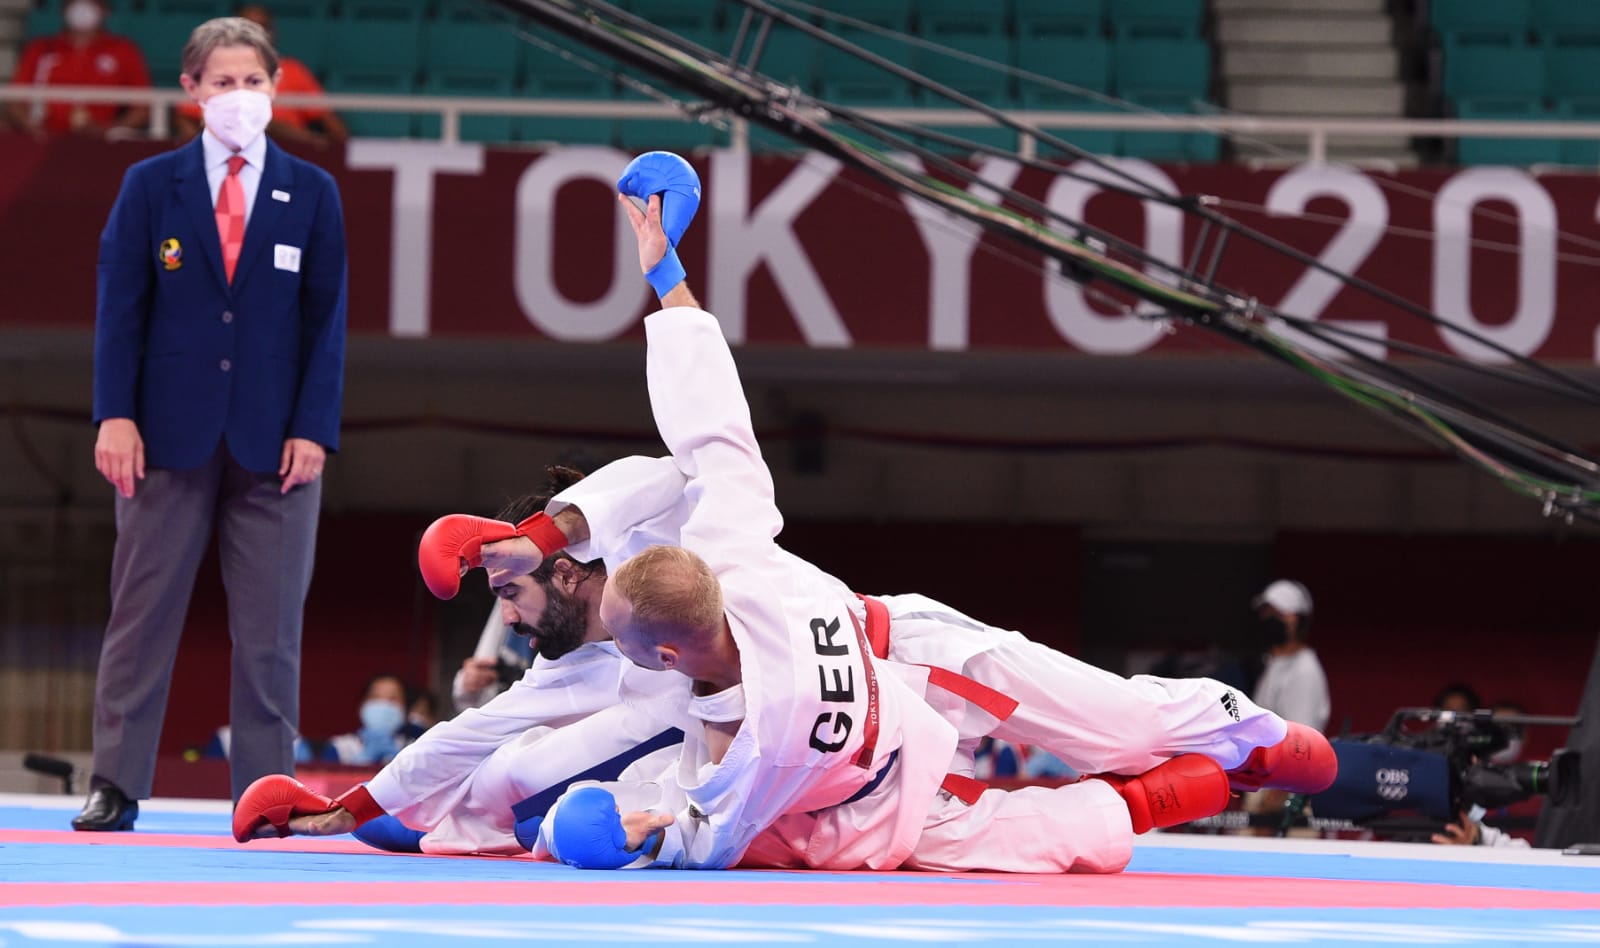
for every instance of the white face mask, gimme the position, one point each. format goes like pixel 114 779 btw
pixel 239 117
pixel 83 16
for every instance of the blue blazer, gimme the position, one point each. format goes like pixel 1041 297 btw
pixel 193 360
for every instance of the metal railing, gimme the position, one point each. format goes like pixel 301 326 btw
pixel 1317 131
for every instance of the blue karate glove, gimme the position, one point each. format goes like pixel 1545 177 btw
pixel 390 835
pixel 588 834
pixel 666 174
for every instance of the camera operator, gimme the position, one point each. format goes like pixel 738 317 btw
pixel 1469 828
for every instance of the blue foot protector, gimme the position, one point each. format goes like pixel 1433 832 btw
pixel 390 835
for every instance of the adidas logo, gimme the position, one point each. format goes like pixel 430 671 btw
pixel 1230 704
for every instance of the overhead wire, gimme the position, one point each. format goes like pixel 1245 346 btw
pixel 1526 460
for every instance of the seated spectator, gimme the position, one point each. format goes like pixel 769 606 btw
pixel 383 715
pixel 423 714
pixel 82 54
pixel 503 653
pixel 1457 696
pixel 289 123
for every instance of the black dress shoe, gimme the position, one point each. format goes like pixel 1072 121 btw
pixel 107 810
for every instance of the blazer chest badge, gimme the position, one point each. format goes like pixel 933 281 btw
pixel 171 253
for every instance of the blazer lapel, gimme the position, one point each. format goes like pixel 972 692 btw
pixel 195 195
pixel 276 176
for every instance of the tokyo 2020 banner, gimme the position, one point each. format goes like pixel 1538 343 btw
pixel 464 241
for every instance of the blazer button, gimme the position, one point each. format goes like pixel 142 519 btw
pixel 227 317
pixel 226 365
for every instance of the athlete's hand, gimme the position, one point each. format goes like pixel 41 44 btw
pixel 647 230
pixel 517 556
pixel 641 825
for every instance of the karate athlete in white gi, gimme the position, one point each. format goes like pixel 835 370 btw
pixel 812 752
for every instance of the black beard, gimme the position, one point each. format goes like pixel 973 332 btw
pixel 563 626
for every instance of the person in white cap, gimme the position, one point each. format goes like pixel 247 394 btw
pixel 1293 683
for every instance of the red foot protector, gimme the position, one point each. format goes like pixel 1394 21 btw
pixel 274 799
pixel 1185 788
pixel 1303 762
pixel 454 543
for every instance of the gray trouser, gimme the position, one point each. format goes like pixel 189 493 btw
pixel 266 542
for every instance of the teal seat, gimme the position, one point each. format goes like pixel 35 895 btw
pixel 986 81
pixel 562 129
pixel 390 45
pixel 788 56
pixel 161 38
pixel 1474 22
pixel 1142 66
pixel 838 64
pixel 1097 141
pixel 1156 19
pixel 1580 151
pixel 993 135
pixel 375 81
pixel 1506 71
pixel 699 16
pixel 1570 72
pixel 197 10
pixel 1058 17
pixel 890 14
pixel 1566 22
pixel 1083 61
pixel 1505 151
pixel 395 11
pixel 470 83
pixel 675 133
pixel 1187 146
pixel 952 20
pixel 42 21
pixel 456 45
pixel 300 10
pixel 304 38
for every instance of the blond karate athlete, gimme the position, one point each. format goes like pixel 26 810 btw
pixel 812 752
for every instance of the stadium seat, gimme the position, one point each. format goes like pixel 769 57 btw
pixel 1473 22
pixel 545 82
pixel 837 64
pixel 1083 61
pixel 1580 151
pixel 457 46
pixel 952 19
pixel 1059 17
pixel 1566 22
pixel 41 21
pixel 396 11
pixel 1096 141
pixel 366 45
pixel 301 10
pixel 699 16
pixel 197 10
pixel 985 78
pixel 1510 71
pixel 672 134
pixel 1142 66
pixel 1152 19
pixel 890 14
pixel 1173 145
pixel 161 37
pixel 1570 72
pixel 1505 151
pixel 376 81
pixel 788 56
pixel 463 83
pixel 304 38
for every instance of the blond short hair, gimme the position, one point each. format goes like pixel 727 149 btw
pixel 672 592
pixel 226 31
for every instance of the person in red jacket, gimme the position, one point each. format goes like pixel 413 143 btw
pixel 82 54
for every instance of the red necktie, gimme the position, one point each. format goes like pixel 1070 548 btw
pixel 230 215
